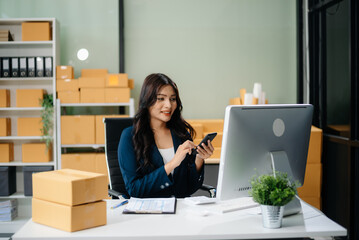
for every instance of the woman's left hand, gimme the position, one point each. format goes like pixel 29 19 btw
pixel 205 151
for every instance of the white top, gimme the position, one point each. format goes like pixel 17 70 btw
pixel 167 154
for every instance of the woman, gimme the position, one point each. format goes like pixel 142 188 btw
pixel 155 154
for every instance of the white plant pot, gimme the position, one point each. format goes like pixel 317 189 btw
pixel 272 216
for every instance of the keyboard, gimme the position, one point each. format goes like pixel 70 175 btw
pixel 233 205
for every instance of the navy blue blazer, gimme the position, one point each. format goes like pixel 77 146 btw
pixel 153 180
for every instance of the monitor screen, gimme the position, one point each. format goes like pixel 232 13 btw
pixel 257 138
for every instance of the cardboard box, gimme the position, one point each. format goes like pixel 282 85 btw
pixel 90 162
pixel 315 145
pixel 314 201
pixel 209 125
pixel 5 127
pixel 4 98
pixel 69 187
pixel 36 31
pixel 67 85
pixel 64 72
pixel 131 83
pixel 100 127
pixel 69 218
pixel 79 161
pixel 78 129
pixel 29 97
pixel 6 152
pixel 7 180
pixel 94 73
pixel 198 127
pixel 117 95
pixel 312 186
pixel 29 126
pixel 92 95
pixel 91 82
pixel 36 152
pixel 69 96
pixel 28 171
pixel 235 101
pixel 117 80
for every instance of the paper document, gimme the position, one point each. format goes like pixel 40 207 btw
pixel 151 205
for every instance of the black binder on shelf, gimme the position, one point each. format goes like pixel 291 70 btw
pixel 23 66
pixel 31 67
pixel 39 66
pixel 6 67
pixel 48 67
pixel 15 67
pixel 0 67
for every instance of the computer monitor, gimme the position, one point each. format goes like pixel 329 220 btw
pixel 257 138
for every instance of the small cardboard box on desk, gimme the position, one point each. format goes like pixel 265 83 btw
pixel 69 200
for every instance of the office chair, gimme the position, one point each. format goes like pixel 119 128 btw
pixel 113 130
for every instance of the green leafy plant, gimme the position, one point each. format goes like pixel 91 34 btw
pixel 273 190
pixel 47 119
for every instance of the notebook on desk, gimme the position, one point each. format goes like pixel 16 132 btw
pixel 151 206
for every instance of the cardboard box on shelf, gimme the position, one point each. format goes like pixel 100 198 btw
pixel 36 152
pixel 5 127
pixel 36 31
pixel 69 218
pixel 92 95
pixel 4 98
pixel 312 181
pixel 94 72
pixel 78 129
pixel 198 127
pixel 117 80
pixel 79 161
pixel 64 72
pixel 91 82
pixel 315 145
pixel 209 125
pixel 100 127
pixel 117 95
pixel 29 126
pixel 89 162
pixel 67 85
pixel 6 152
pixel 69 96
pixel 131 83
pixel 69 187
pixel 29 97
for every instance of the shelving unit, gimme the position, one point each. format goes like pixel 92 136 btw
pixel 131 110
pixel 18 48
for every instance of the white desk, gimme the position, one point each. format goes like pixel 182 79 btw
pixel 185 225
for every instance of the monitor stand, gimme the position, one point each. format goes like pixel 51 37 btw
pixel 280 163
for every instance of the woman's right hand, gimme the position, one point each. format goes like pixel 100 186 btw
pixel 182 150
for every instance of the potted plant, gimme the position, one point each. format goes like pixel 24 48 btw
pixel 47 118
pixel 272 192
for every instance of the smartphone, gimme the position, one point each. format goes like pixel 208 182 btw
pixel 209 136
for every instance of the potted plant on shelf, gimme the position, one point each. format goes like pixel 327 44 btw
pixel 272 192
pixel 47 119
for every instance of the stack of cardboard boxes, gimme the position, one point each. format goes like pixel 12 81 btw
pixel 94 86
pixel 310 192
pixel 69 200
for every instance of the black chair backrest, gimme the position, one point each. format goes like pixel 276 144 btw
pixel 113 130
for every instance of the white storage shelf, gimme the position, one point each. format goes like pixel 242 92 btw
pixel 19 48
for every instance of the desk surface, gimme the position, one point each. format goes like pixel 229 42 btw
pixel 186 224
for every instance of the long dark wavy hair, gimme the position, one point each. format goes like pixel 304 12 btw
pixel 143 137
